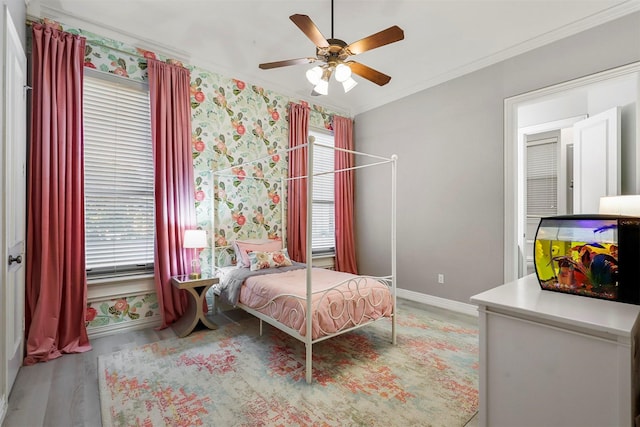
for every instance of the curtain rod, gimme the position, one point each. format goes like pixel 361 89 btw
pixel 31 22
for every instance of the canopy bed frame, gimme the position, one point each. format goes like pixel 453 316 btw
pixel 356 292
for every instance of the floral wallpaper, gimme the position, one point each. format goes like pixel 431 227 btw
pixel 103 313
pixel 233 123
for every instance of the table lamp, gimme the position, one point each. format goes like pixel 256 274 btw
pixel 195 239
pixel 620 205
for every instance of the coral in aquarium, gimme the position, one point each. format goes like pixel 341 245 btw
pixel 586 268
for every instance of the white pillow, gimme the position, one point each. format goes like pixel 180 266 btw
pixel 260 260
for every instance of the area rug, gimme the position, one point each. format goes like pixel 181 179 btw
pixel 234 377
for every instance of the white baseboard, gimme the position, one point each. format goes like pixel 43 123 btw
pixel 116 328
pixel 448 304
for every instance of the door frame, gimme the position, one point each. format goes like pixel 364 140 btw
pixel 513 157
pixel 523 132
pixel 4 398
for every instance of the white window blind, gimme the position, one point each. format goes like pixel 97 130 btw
pixel 118 158
pixel 542 178
pixel 323 232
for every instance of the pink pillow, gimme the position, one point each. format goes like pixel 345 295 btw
pixel 243 248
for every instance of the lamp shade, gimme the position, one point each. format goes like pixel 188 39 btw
pixel 195 239
pixel 620 205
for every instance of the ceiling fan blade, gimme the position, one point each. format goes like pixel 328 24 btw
pixel 384 37
pixel 309 28
pixel 276 64
pixel 369 73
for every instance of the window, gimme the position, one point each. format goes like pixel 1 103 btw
pixel 323 231
pixel 542 187
pixel 542 177
pixel 118 162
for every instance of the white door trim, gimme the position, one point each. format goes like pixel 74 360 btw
pixel 522 188
pixel 513 154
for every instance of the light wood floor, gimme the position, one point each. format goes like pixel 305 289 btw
pixel 64 391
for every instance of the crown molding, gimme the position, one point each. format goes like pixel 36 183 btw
pixel 610 14
pixel 70 19
pixel 73 20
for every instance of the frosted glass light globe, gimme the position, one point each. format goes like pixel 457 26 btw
pixel 343 72
pixel 322 87
pixel 314 75
pixel 349 84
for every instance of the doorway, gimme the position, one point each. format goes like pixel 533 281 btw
pixel 556 108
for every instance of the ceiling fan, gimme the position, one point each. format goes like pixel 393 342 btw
pixel 334 54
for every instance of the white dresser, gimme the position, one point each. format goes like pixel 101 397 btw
pixel 556 360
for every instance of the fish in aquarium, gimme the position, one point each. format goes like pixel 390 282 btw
pixel 592 255
pixel 585 268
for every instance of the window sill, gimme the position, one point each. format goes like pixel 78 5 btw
pixel 323 255
pixel 119 287
pixel 327 260
pixel 120 279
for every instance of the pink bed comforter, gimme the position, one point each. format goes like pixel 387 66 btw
pixel 360 300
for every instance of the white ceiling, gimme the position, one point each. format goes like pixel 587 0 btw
pixel 443 39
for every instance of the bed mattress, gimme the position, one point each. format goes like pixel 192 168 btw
pixel 340 300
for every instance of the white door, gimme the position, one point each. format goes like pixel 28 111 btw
pixel 596 160
pixel 15 142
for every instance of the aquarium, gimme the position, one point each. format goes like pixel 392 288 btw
pixel 591 255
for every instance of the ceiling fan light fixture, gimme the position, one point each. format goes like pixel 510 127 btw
pixel 348 84
pixel 322 87
pixel 314 75
pixel 343 72
pixel 333 53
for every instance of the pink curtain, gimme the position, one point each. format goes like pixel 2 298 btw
pixel 56 282
pixel 174 185
pixel 344 189
pixel 297 189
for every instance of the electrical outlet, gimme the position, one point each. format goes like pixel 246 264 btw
pixel 440 278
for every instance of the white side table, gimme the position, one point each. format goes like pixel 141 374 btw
pixel 197 290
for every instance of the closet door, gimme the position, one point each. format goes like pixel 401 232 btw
pixel 13 208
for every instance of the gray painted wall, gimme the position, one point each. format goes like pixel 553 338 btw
pixel 449 140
